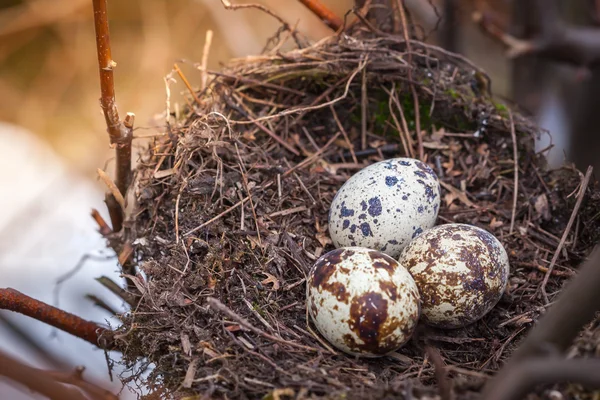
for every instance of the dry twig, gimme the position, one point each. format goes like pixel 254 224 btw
pixel 16 301
pixel 563 239
pixel 120 135
pixel 576 306
pixel 324 13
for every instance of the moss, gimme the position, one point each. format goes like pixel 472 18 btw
pixel 452 93
pixel 500 108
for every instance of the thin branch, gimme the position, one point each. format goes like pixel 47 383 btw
pixel 556 41
pixel 563 239
pixel 16 301
pixel 120 135
pixel 32 343
pixel 576 306
pixel 228 6
pixel 525 376
pixel 516 168
pixel 325 14
pixel 217 305
pixel 35 380
pixel 413 90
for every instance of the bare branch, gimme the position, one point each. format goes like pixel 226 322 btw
pixel 52 384
pixel 16 301
pixel 120 135
pixel 523 377
pixel 36 381
pixel 324 13
pixel 555 40
pixel 576 306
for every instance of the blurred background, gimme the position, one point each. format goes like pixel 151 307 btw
pixel 52 131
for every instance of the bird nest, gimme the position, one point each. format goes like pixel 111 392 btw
pixel 232 207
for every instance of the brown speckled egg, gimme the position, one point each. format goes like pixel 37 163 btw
pixel 461 272
pixel 385 205
pixel 362 301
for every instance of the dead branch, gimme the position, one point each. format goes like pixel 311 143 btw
pixel 16 301
pixel 563 239
pixel 36 381
pixel 228 6
pixel 523 377
pixel 576 306
pixel 52 384
pixel 555 40
pixel 120 134
pixel 324 13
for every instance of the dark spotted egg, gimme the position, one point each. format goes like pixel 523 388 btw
pixel 362 301
pixel 461 271
pixel 385 205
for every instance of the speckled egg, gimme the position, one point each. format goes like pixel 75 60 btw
pixel 461 271
pixel 385 205
pixel 362 301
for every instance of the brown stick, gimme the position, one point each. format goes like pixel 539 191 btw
pixel 120 135
pixel 324 13
pixel 36 380
pixel 522 378
pixel 555 41
pixel 16 301
pixel 400 4
pixel 576 306
pixel 563 239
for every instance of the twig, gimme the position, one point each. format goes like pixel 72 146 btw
pixel 103 227
pixel 547 370
pixel 325 14
pixel 228 6
pixel 516 47
pixel 557 328
pixel 75 378
pixel 555 40
pixel 216 304
pixel 412 86
pixel 32 343
pixel 16 301
pixel 516 167
pixel 117 290
pixel 114 190
pixel 186 83
pixel 441 373
pixel 310 159
pixel 210 221
pixel 36 380
pixel 120 135
pixel 364 105
pixel 563 239
pixel 204 62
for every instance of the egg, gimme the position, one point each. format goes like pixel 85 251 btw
pixel 362 301
pixel 385 205
pixel 461 271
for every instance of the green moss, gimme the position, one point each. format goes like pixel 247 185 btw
pixel 501 108
pixel 452 93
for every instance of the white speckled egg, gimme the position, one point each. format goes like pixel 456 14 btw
pixel 461 271
pixel 385 205
pixel 362 301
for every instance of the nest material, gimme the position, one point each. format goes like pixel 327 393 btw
pixel 230 220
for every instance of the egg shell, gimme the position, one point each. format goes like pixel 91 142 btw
pixel 461 271
pixel 385 205
pixel 362 301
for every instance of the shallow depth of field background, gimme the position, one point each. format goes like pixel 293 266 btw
pixel 52 132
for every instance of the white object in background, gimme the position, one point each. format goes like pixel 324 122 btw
pixel 45 229
pixel 552 116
